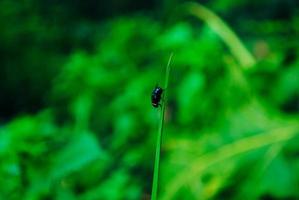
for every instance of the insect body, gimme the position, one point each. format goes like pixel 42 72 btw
pixel 156 96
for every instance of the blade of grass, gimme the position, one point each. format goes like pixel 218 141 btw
pixel 159 136
pixel 237 48
pixel 195 169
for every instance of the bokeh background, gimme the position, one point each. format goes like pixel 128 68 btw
pixel 76 121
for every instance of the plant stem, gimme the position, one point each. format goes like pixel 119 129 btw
pixel 159 136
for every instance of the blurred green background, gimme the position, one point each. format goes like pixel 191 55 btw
pixel 76 121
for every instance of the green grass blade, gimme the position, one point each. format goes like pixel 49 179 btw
pixel 237 48
pixel 198 166
pixel 159 136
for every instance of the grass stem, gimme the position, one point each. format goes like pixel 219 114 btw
pixel 159 136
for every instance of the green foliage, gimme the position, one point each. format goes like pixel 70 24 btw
pixel 230 129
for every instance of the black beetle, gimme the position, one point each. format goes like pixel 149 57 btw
pixel 156 96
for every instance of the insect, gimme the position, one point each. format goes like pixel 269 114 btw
pixel 156 96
